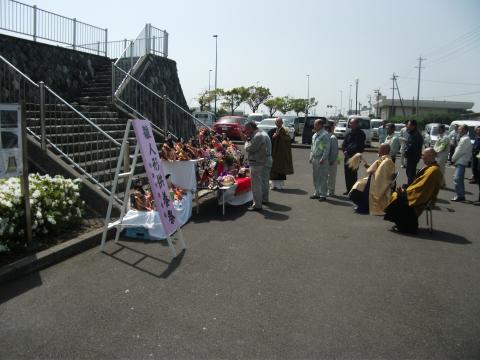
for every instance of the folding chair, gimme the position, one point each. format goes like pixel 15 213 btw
pixel 429 215
pixel 393 185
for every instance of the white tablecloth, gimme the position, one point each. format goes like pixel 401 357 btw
pixel 151 220
pixel 232 199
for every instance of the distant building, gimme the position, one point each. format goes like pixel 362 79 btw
pixel 386 110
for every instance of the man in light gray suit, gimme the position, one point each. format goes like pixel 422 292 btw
pixel 256 149
pixel 266 168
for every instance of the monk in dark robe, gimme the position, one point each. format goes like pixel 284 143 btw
pixel 407 204
pixel 282 155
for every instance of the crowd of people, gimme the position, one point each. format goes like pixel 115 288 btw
pixel 270 159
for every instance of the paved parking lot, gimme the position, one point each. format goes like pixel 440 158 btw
pixel 300 280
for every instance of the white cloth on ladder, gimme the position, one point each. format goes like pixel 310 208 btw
pixel 151 220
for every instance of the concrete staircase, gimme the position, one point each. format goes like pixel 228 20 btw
pixel 82 142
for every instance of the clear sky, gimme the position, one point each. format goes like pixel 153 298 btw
pixel 277 43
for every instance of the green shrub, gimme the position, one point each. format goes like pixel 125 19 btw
pixel 55 206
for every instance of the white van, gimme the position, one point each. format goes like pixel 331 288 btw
pixel 375 124
pixel 256 117
pixel 205 118
pixel 365 125
pixel 472 124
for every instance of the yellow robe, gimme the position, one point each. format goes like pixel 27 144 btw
pixel 424 188
pixel 381 172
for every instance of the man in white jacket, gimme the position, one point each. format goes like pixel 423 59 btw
pixel 461 157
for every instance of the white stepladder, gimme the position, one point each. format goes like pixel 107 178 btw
pixel 124 159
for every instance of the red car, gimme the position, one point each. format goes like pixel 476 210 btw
pixel 232 126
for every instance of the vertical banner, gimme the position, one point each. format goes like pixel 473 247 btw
pixel 156 176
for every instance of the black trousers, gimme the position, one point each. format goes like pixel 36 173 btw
pixel 411 169
pixel 351 177
pixel 475 167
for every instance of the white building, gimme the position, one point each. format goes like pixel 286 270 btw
pixel 387 110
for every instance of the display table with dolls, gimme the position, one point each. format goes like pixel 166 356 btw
pixel 222 169
pixel 142 221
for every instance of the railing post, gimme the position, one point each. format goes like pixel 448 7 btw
pixel 113 81
pixel 165 121
pixel 43 131
pixel 126 156
pixel 34 22
pixel 98 47
pixel 165 43
pixel 153 45
pixel 106 42
pixel 148 38
pixel 74 33
pixel 131 55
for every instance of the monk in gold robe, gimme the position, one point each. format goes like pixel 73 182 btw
pixel 371 194
pixel 407 204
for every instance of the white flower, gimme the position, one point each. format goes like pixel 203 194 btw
pixel 36 194
pixel 4 248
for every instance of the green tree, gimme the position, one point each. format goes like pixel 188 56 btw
pixel 298 105
pixel 205 99
pixel 257 96
pixel 310 103
pixel 274 104
pixel 234 97
pixel 285 105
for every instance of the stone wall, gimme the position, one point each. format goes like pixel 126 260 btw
pixel 160 74
pixel 63 70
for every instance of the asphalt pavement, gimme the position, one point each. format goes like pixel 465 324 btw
pixel 300 280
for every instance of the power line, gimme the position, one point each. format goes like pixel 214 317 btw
pixel 458 50
pixel 454 42
pixel 443 82
pixel 454 95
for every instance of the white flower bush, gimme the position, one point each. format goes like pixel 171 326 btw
pixel 55 206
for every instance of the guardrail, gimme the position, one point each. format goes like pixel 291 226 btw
pixel 42 24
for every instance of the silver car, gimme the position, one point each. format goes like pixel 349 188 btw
pixel 268 124
pixel 340 129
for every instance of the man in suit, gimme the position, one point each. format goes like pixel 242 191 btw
pixel 353 143
pixel 319 153
pixel 256 149
pixel 413 149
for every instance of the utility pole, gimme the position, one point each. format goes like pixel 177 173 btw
pixel 400 97
pixel 392 106
pixel 350 100
pixel 420 59
pixel 308 96
pixel 216 63
pixel 341 101
pixel 377 92
pixel 356 96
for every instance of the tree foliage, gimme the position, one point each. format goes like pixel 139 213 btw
pixel 234 97
pixel 274 104
pixel 205 99
pixel 257 95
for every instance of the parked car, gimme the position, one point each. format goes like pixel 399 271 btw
pixel 340 129
pixel 472 124
pixel 256 117
pixel 398 127
pixel 269 124
pixel 307 132
pixel 205 118
pixel 430 134
pixel 295 120
pixel 364 123
pixel 232 126
pixel 375 124
pixel 289 124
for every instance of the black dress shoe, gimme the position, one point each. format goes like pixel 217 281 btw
pixel 322 198
pixel 253 208
pixel 345 193
pixel 458 198
pixel 314 197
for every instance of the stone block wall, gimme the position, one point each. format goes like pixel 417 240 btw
pixel 63 70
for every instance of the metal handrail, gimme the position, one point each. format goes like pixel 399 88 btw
pixel 17 70
pixel 84 117
pixel 154 126
pixel 43 24
pixel 128 75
